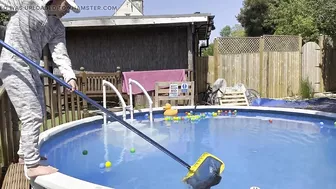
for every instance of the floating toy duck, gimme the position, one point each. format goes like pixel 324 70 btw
pixel 168 111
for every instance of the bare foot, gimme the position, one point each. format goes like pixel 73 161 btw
pixel 40 170
pixel 21 161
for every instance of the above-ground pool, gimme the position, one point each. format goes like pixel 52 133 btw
pixel 270 149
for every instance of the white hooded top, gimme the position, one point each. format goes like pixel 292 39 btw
pixel 30 29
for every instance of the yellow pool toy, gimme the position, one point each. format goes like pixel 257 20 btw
pixel 168 111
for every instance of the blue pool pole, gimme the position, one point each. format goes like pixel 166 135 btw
pixel 62 82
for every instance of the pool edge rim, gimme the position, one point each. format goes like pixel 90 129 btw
pixel 53 181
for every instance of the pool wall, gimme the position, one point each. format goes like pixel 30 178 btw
pixel 62 181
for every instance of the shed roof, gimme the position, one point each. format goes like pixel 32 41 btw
pixel 203 22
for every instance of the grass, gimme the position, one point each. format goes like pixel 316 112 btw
pixel 139 107
pixel 57 122
pixel 306 89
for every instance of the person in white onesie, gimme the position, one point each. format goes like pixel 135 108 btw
pixel 35 24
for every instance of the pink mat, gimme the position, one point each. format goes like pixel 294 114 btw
pixel 148 79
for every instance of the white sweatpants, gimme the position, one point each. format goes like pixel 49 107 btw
pixel 25 90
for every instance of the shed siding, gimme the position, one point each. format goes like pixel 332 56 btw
pixel 150 48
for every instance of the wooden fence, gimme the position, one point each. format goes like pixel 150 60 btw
pixel 328 62
pixel 268 64
pixel 272 65
pixel 311 65
pixel 9 130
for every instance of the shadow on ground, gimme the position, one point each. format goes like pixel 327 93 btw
pixel 320 104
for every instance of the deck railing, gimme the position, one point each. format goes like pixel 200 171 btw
pixel 64 107
pixel 9 130
pixel 9 133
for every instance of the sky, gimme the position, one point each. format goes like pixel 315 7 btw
pixel 225 11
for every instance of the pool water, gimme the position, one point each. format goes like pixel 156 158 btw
pixel 269 151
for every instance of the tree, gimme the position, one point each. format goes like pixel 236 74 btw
pixel 235 31
pixel 325 15
pixel 209 51
pixel 226 31
pixel 254 16
pixel 294 17
pixel 4 17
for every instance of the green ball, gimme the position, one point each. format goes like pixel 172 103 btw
pixel 85 152
pixel 132 150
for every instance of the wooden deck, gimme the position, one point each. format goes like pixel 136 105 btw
pixel 15 178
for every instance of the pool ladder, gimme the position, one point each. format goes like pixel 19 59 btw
pixel 150 102
pixel 124 106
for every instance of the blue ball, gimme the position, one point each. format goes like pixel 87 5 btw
pixel 102 165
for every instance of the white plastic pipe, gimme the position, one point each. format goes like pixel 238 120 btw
pixel 105 143
pixel 131 99
pixel 147 95
pixel 123 104
pixel 104 101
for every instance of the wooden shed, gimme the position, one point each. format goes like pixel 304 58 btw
pixel 101 44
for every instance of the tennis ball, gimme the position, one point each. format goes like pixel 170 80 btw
pixel 132 150
pixel 108 164
pixel 85 152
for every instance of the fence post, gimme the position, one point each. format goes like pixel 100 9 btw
pixel 84 84
pixel 119 79
pixel 321 44
pixel 261 65
pixel 119 74
pixel 16 131
pixel 300 57
pixel 46 80
pixel 215 51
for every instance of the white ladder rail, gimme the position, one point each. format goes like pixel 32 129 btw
pixel 106 83
pixel 150 102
